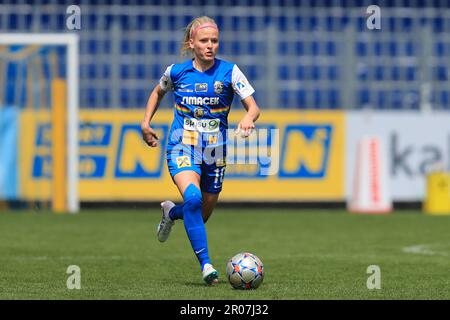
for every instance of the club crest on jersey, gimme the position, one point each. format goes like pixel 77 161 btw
pixel 199 112
pixel 218 87
pixel 201 87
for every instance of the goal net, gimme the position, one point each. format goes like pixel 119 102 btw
pixel 39 121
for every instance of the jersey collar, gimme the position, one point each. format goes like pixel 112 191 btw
pixel 214 66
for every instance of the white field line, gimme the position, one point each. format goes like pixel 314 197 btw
pixel 43 258
pixel 424 249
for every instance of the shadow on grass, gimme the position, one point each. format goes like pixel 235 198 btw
pixel 199 284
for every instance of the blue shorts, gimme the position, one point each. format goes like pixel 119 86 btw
pixel 211 174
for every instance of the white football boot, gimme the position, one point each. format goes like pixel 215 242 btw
pixel 210 274
pixel 165 226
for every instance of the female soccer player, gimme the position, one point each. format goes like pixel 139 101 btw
pixel 203 89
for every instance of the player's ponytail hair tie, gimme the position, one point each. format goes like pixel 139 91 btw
pixel 202 26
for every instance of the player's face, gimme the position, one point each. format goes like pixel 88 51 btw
pixel 205 44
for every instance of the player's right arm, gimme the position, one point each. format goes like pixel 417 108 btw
pixel 165 84
pixel 148 134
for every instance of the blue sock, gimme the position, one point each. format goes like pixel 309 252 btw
pixel 193 223
pixel 176 212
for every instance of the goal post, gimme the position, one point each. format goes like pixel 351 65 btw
pixel 64 118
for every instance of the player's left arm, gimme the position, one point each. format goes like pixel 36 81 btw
pixel 245 91
pixel 247 124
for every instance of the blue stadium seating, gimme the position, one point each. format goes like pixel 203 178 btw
pixel 378 59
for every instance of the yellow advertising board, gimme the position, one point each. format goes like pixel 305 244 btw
pixel 116 165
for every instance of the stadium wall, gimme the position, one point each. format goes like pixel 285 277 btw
pixel 8 153
pixel 315 160
pixel 115 164
pixel 415 144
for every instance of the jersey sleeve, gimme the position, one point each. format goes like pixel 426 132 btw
pixel 166 81
pixel 240 83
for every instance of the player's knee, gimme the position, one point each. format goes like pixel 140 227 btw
pixel 193 198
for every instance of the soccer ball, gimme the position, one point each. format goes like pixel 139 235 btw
pixel 245 271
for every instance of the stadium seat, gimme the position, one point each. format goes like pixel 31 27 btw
pixel 308 48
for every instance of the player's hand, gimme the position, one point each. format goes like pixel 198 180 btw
pixel 149 135
pixel 245 127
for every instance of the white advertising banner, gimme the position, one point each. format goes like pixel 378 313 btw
pixel 414 143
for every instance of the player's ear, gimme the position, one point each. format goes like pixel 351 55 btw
pixel 191 43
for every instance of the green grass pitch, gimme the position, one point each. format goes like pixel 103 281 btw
pixel 307 254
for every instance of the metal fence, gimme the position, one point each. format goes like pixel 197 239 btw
pixel 302 54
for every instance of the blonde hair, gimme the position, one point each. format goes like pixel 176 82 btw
pixel 186 49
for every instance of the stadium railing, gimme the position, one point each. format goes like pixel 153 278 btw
pixel 307 57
